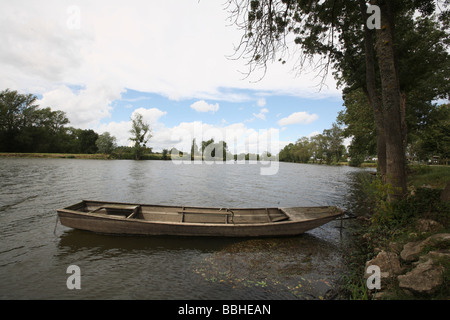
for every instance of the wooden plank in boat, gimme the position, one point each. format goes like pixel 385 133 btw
pixel 205 212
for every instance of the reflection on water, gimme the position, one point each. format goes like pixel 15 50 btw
pixel 72 241
pixel 34 255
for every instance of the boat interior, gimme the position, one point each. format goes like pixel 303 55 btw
pixel 156 213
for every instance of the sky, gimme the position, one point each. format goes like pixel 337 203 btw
pixel 172 61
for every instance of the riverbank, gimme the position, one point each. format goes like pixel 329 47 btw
pixel 130 156
pixel 408 240
pixel 53 155
pixel 97 156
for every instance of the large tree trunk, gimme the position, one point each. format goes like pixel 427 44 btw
pixel 395 153
pixel 372 93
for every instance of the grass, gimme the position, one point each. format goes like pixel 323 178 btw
pixel 97 156
pixel 53 155
pixel 433 176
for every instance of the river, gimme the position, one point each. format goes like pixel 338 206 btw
pixel 35 250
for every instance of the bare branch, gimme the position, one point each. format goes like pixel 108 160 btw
pixel 272 28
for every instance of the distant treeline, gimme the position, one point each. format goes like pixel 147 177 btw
pixel 27 128
pixel 322 148
pixel 24 127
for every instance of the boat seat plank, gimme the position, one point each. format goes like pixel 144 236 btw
pixel 278 219
pixel 119 207
pixel 206 212
pixel 114 207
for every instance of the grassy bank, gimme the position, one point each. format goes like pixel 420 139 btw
pixel 389 226
pixel 53 155
pixel 98 156
pixel 429 176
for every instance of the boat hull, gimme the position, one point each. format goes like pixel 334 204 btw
pixel 297 221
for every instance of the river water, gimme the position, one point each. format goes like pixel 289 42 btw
pixel 35 250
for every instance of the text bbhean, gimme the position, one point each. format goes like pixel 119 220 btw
pixel 245 309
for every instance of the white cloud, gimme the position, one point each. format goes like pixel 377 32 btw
pixel 239 138
pixel 298 118
pixel 84 108
pixel 262 114
pixel 203 106
pixel 175 48
pixel 261 102
pixel 150 116
pixel 121 130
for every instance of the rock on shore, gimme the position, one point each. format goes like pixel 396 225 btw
pixel 417 271
pixel 427 275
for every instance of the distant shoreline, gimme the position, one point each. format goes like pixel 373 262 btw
pixel 98 156
pixel 54 155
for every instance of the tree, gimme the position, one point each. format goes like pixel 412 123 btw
pixel 47 132
pixel 194 150
pixel 435 141
pixel 16 113
pixel 335 148
pixel 24 127
pixel 140 134
pixel 358 119
pixel 423 67
pixel 326 146
pixel 165 153
pixel 302 150
pixel 286 154
pixel 205 144
pixel 325 32
pixel 87 141
pixel 392 101
pixel 106 143
pixel 215 151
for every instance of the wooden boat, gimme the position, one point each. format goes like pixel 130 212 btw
pixel 141 219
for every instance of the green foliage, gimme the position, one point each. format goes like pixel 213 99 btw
pixel 393 216
pixel 356 159
pixel 433 138
pixel 359 122
pixel 433 176
pixel 140 134
pixel 27 128
pixel 128 153
pixel 165 154
pixel 424 203
pixel 106 143
pixel 194 150
pixel 326 147
pixel 87 141
pixel 424 65
pixel 211 151
pixel 378 194
pixel 24 127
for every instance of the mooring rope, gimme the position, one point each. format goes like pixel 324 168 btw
pixel 56 224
